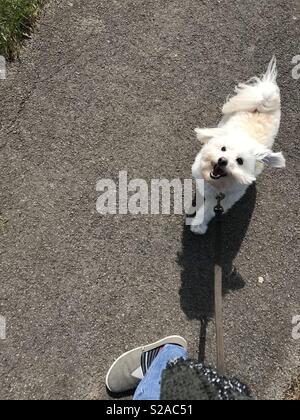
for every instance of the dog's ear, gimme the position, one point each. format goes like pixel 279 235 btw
pixel 275 160
pixel 206 134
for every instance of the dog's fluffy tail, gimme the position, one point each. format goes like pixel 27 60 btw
pixel 258 94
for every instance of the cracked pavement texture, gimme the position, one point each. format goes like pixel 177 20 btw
pixel 105 86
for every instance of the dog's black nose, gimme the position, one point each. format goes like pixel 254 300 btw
pixel 223 161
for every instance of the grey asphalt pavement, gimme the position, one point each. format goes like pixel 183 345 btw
pixel 105 86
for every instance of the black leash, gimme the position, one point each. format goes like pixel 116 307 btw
pixel 219 210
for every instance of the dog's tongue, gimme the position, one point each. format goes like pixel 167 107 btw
pixel 218 171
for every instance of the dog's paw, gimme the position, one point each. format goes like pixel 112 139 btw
pixel 199 229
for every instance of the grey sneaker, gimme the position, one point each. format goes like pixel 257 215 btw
pixel 126 372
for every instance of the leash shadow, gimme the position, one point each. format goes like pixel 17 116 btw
pixel 197 260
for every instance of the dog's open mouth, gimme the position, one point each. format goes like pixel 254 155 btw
pixel 218 172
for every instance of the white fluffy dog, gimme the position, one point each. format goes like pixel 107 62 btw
pixel 235 152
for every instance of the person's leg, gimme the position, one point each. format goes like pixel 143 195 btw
pixel 130 368
pixel 149 387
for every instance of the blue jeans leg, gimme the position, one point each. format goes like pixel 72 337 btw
pixel 149 387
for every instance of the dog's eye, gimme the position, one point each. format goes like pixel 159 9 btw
pixel 240 161
pixel 224 149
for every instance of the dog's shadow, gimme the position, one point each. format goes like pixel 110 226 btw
pixel 197 260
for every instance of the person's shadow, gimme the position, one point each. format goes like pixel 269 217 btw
pixel 197 260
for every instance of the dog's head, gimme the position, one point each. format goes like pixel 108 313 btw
pixel 232 158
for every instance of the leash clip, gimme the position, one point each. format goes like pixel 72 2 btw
pixel 219 210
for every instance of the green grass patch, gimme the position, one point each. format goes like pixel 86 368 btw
pixel 3 223
pixel 294 392
pixel 16 21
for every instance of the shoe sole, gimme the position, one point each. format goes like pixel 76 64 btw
pixel 173 339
